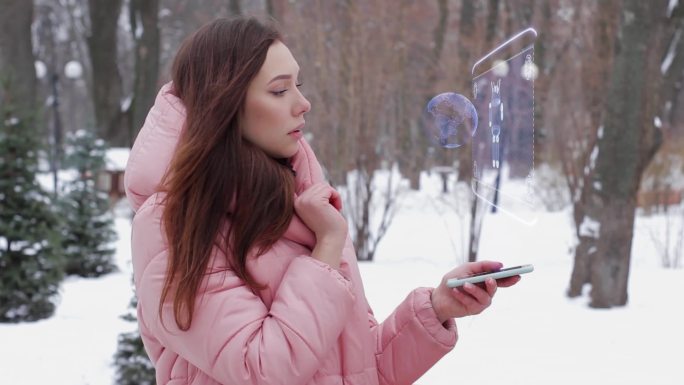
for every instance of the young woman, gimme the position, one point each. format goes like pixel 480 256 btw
pixel 243 268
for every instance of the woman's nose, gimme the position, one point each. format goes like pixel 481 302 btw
pixel 303 105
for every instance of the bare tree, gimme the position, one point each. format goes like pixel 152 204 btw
pixel 469 45
pixel 358 58
pixel 366 97
pixel 411 137
pixel 669 243
pixel 514 18
pixel 107 86
pixel 145 29
pixel 235 7
pixel 17 71
pixel 477 207
pixel 594 28
pixel 627 141
pixel 276 9
pixel 76 100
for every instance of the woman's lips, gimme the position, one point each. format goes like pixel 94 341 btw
pixel 297 134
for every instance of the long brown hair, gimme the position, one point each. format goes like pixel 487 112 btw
pixel 215 177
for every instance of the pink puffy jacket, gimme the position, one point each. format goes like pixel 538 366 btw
pixel 311 326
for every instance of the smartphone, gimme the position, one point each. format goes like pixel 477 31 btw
pixel 497 274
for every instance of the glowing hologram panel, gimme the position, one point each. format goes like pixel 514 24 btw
pixel 502 154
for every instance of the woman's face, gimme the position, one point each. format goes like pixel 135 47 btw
pixel 273 118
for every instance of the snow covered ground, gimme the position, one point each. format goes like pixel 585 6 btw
pixel 532 334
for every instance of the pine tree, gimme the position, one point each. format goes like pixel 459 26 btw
pixel 133 366
pixel 31 265
pixel 88 234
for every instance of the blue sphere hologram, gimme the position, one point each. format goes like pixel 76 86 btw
pixel 450 120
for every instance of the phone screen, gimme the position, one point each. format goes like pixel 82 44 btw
pixel 494 271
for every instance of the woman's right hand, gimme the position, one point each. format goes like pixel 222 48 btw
pixel 319 208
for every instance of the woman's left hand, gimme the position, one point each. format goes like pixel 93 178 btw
pixel 469 299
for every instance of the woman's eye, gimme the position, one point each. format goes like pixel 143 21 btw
pixel 282 92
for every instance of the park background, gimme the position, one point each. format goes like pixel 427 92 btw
pixel 604 303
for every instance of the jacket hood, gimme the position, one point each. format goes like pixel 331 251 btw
pixel 154 147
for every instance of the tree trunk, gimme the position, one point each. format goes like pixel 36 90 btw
pixel 610 268
pixel 275 9
pixel 476 217
pixel 17 70
pixel 492 20
pixel 344 152
pixel 145 28
pixel 235 7
pixel 594 76
pixel 414 144
pixel 674 73
pixel 269 8
pixel 107 89
pixel 625 147
pixel 466 51
pixel 465 163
